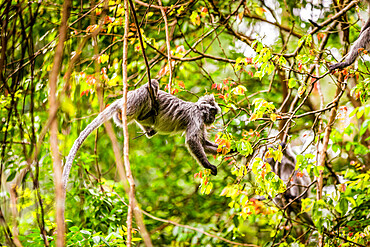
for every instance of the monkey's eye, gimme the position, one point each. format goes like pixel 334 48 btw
pixel 119 115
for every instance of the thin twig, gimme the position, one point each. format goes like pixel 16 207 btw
pixel 197 229
pixel 57 166
pixel 133 206
pixel 126 161
pixel 153 97
pixel 168 45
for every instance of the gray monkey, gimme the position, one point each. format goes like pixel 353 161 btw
pixel 297 185
pixel 173 116
pixel 363 41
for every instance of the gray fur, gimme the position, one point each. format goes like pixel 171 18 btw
pixel 173 116
pixel 286 170
pixel 363 41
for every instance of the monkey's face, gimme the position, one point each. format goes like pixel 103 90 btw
pixel 209 108
pixel 210 116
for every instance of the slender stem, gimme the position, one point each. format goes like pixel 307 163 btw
pixel 325 142
pixel 151 93
pixel 57 166
pixel 125 131
pixel 168 45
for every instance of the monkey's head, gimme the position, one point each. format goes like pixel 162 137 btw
pixel 209 108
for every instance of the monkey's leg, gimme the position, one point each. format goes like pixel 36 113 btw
pixel 196 149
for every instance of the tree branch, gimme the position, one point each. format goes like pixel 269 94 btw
pixel 54 104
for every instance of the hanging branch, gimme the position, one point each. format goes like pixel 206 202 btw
pixel 14 210
pixel 168 44
pixel 57 166
pixel 151 93
pixel 126 161
pixel 325 142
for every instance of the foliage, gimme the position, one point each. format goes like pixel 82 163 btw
pixel 266 63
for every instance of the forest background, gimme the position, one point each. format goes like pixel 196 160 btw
pixel 266 62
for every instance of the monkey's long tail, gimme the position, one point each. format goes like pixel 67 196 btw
pixel 99 120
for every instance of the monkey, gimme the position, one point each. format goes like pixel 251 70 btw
pixel 296 185
pixel 173 116
pixel 363 41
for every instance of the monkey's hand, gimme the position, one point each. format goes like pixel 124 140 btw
pixel 213 169
pixel 150 133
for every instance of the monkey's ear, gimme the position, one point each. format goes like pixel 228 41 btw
pixel 210 98
pixel 207 99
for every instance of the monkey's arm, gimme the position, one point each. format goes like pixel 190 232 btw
pixel 99 120
pixel 194 136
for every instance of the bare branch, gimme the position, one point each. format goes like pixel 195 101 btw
pixel 57 166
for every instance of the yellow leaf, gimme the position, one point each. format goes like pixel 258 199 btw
pixel 114 81
pixel 239 90
pixel 273 117
pixel 268 154
pixel 259 11
pixel 209 188
pixel 253 117
pixel 104 58
pixel 120 11
pixel 301 90
pixel 224 191
pixel 240 16
pixel 279 156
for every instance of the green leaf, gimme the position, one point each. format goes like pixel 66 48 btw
pixel 301 40
pixel 292 83
pixel 85 232
pixel 360 112
pixel 96 239
pixel 364 127
pixel 11 176
pixel 353 112
pixel 282 60
pixel 342 206
pixel 74 229
pixel 259 47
